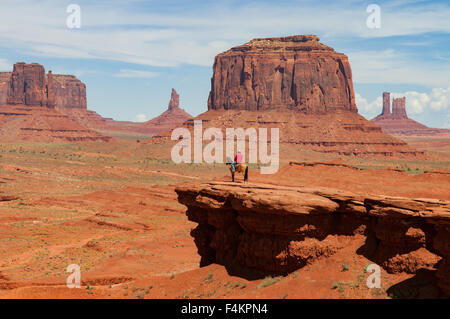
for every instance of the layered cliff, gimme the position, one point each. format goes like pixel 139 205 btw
pixel 42 124
pixel 278 229
pixel 296 72
pixel 33 106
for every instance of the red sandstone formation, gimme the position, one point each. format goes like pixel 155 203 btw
pixel 174 100
pixel 279 229
pixel 298 85
pixel 296 72
pixel 42 124
pixel 69 92
pixel 170 119
pixel 386 104
pixel 28 103
pixel 399 108
pixel 28 85
pixel 398 123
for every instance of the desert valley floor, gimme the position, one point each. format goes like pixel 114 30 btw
pixel 111 207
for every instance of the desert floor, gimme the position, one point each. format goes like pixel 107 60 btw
pixel 111 208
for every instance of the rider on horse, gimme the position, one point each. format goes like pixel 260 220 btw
pixel 237 161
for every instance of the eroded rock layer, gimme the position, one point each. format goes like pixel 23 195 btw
pixel 340 132
pixel 278 229
pixel 42 124
pixel 295 72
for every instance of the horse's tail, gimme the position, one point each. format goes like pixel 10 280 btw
pixel 246 174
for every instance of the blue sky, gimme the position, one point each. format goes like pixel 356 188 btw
pixel 130 53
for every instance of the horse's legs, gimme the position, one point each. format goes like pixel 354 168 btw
pixel 232 176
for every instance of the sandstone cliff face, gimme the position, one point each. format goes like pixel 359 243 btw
pixel 28 98
pixel 69 92
pixel 4 87
pixel 278 229
pixel 296 72
pixel 29 85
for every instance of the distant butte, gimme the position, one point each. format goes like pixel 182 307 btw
pixel 170 119
pixel 397 121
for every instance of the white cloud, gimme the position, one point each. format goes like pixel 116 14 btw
pixel 169 35
pixel 440 99
pixel 141 118
pixel 416 102
pixel 366 107
pixel 127 73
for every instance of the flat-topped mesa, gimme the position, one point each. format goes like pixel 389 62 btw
pixel 174 100
pixel 28 85
pixel 295 72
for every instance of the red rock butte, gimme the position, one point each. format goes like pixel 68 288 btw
pixel 28 85
pixel 397 121
pixel 298 85
pixel 32 104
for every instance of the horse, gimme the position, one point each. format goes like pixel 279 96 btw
pixel 239 168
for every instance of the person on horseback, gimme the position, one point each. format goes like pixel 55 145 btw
pixel 237 161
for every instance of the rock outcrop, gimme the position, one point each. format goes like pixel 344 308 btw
pixel 296 72
pixel 42 124
pixel 69 92
pixel 29 85
pixel 278 229
pixel 397 121
pixel 169 119
pixel 174 100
